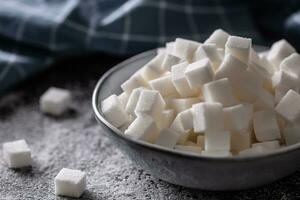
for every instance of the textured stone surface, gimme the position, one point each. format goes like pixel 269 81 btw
pixel 76 141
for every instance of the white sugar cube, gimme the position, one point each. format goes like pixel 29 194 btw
pixel 272 145
pixel 208 51
pixel 168 100
pixel 289 106
pixel 167 138
pixel 169 61
pixel 219 91
pixel 199 73
pixel 291 135
pixel 156 63
pixel 264 100
pixel 167 118
pixel 169 47
pixel 265 126
pixel 217 154
pixel 254 151
pixel 132 101
pixel 148 74
pixel 123 98
pixel 279 51
pixel 55 101
pixel 218 37
pixel 143 128
pixel 186 119
pixel 238 118
pixel 180 82
pixel 281 91
pixel 164 85
pixel 113 111
pixel 70 182
pixel 135 81
pixel 126 125
pixel 207 117
pixel 150 102
pixel 283 79
pixel 188 148
pixel 17 154
pixel 217 141
pixel 183 103
pixel 291 64
pixel 240 141
pixel 200 141
pixel 239 47
pixel 184 48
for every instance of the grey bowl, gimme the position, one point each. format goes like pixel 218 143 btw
pixel 190 170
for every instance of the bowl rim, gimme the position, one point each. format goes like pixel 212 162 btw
pixel 153 147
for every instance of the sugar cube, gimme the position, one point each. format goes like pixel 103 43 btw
pixel 188 148
pixel 208 51
pixel 70 182
pixel 164 85
pixel 55 101
pixel 166 118
pixel 183 103
pixel 264 100
pixel 291 64
pixel 207 117
pixel 17 154
pixel 186 119
pixel 239 47
pixel 289 106
pixel 169 61
pixel 240 141
pixel 169 47
pixel 218 37
pixel 254 151
pixel 150 102
pixel 113 111
pixel 132 101
pixel 291 135
pixel 279 51
pixel 156 63
pixel 272 145
pixel 180 82
pixel 200 141
pixel 184 48
pixel 133 82
pixel 123 98
pixel 217 141
pixel 167 138
pixel 199 73
pixel 216 154
pixel 238 118
pixel 143 128
pixel 265 126
pixel 219 91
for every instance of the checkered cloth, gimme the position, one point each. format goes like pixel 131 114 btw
pixel 33 33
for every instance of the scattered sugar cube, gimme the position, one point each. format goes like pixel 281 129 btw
pixel 184 48
pixel 150 102
pixel 272 145
pixel 291 135
pixel 208 51
pixel 199 73
pixel 240 141
pixel 217 154
pixel 164 85
pixel 207 117
pixel 279 51
pixel 70 182
pixel 217 141
pixel 55 101
pixel 254 151
pixel 132 101
pixel 289 106
pixel 143 128
pixel 238 118
pixel 239 47
pixel 188 148
pixel 16 154
pixel 113 111
pixel 219 91
pixel 180 82
pixel 169 61
pixel 265 126
pixel 218 37
pixel 184 103
pixel 291 64
pixel 167 138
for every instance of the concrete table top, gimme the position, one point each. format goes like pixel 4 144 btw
pixel 76 141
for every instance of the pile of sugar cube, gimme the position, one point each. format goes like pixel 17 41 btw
pixel 17 154
pixel 219 98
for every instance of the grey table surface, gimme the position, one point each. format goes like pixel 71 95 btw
pixel 76 141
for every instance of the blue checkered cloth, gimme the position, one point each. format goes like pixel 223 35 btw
pixel 34 33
